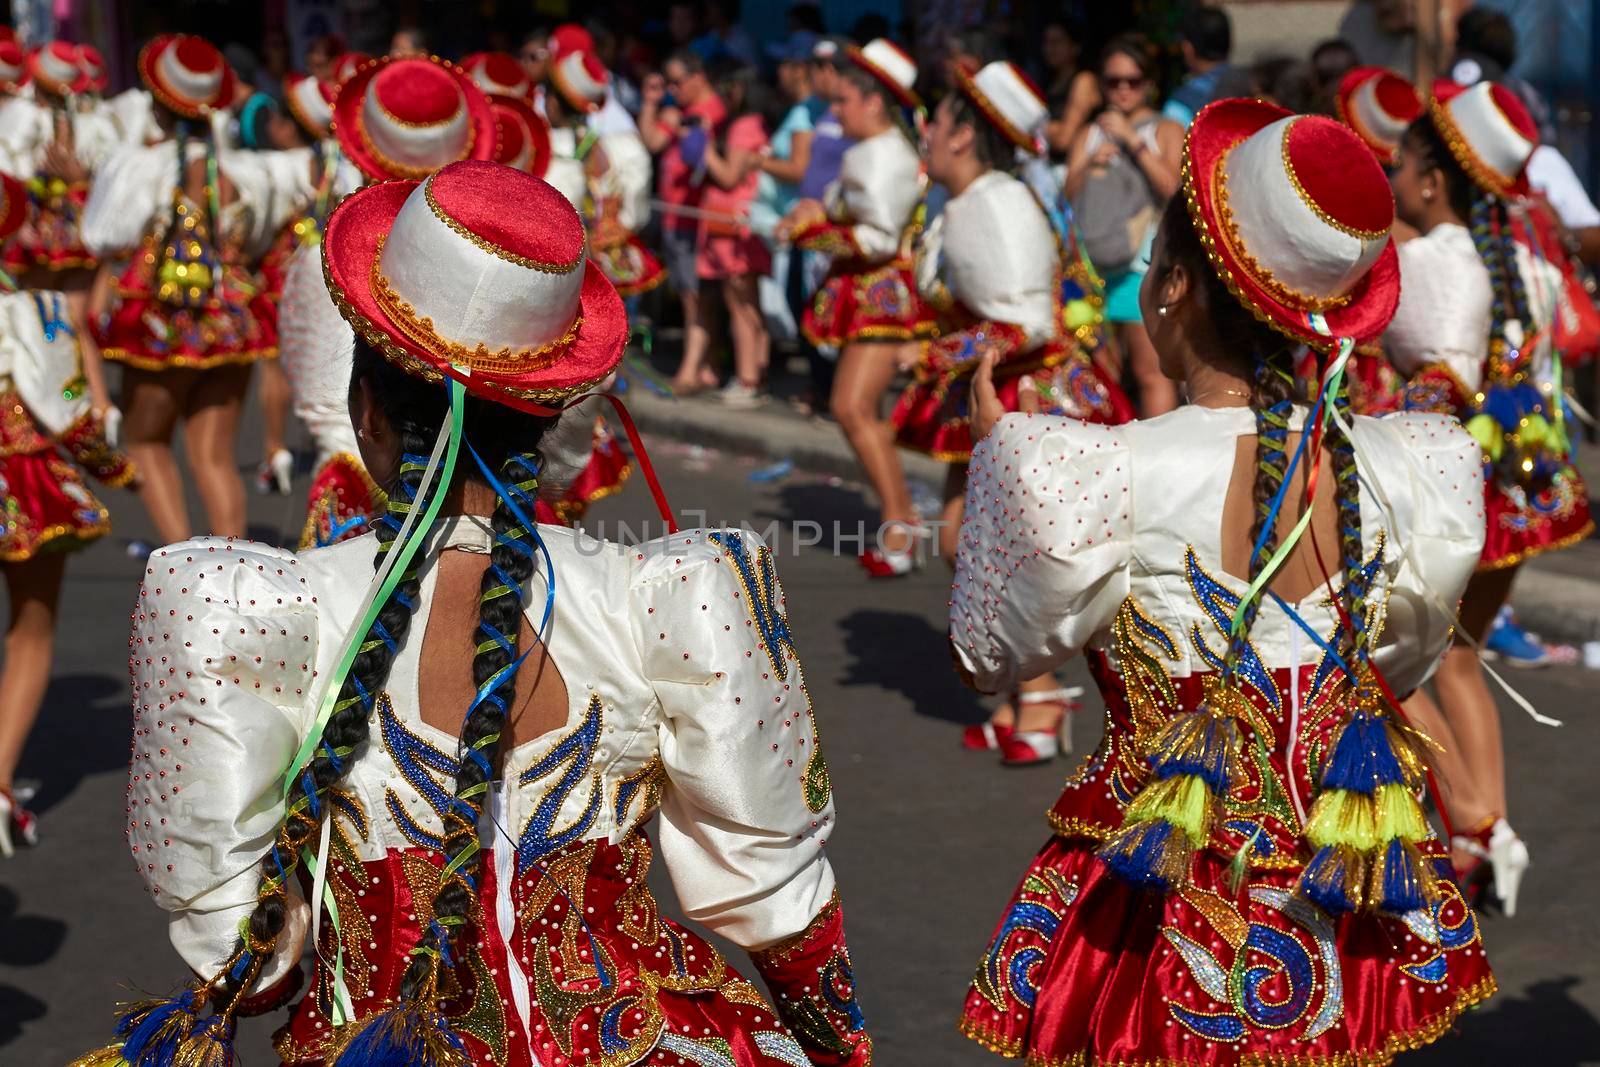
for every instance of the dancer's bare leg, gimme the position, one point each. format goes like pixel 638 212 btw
pixel 152 402
pixel 33 588
pixel 866 369
pixel 210 434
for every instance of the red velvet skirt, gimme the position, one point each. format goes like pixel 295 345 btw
pixel 632 268
pixel 933 414
pixel 49 237
pixel 857 302
pixel 44 504
pixel 151 334
pixel 608 468
pixel 1085 969
pixel 1525 518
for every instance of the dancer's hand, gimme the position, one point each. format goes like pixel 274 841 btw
pixel 987 408
pixel 112 421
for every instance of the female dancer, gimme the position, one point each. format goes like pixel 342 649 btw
pixel 55 148
pixel 46 512
pixel 868 308
pixel 394 119
pixel 1472 337
pixel 991 266
pixel 486 859
pixel 1242 873
pixel 179 319
pixel 1121 169
pixel 1378 105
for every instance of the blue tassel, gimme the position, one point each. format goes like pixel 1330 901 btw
pixel 152 1031
pixel 1150 855
pixel 407 1035
pixel 1363 759
pixel 1404 885
pixel 1199 743
pixel 1330 880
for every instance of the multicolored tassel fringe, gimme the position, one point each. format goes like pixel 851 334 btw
pixel 412 1032
pixel 1193 760
pixel 1366 822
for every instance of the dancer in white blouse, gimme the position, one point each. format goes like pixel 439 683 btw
pixel 1241 873
pixel 469 762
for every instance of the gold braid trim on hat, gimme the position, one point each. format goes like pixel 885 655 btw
pixel 495 250
pixel 1218 263
pixel 1229 232
pixel 968 84
pixel 420 330
pixel 1316 208
pixel 1484 176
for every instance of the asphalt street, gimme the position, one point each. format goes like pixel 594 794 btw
pixel 930 838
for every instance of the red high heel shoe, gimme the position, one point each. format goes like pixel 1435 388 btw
pixel 1026 748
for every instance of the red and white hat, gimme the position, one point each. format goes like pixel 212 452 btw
pixel 1295 213
pixel 406 118
pixel 480 273
pixel 55 68
pixel 13 205
pixel 569 37
pixel 345 67
pixel 1378 104
pixel 1009 100
pixel 96 75
pixel 310 101
pixel 13 66
pixel 498 73
pixel 524 135
pixel 582 80
pixel 889 63
pixel 186 74
pixel 1489 131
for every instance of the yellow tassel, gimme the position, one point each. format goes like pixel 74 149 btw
pixel 1343 817
pixel 1181 800
pixel 1399 815
pixel 110 1056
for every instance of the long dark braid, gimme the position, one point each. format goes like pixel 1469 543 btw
pixel 500 601
pixel 347 728
pixel 1347 498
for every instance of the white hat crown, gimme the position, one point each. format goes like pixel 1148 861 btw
pixel 56 68
pixel 406 137
pixel 1011 102
pixel 455 292
pixel 890 61
pixel 313 105
pixel 1377 120
pixel 1489 134
pixel 582 78
pixel 186 81
pixel 1296 246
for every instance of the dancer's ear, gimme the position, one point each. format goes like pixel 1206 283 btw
pixel 375 436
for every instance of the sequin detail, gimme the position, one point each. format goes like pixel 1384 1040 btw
pixel 575 752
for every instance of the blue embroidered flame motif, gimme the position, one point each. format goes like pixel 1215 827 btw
pixel 415 759
pixel 1007 970
pixel 761 590
pixel 575 752
pixel 1292 962
pixel 1218 602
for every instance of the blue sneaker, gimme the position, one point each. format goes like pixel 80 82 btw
pixel 1513 645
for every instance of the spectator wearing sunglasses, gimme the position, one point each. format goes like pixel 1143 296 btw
pixel 1207 40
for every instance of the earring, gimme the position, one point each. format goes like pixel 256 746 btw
pixel 361 434
pixel 1427 195
pixel 1162 310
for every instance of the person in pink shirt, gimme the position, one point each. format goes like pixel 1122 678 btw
pixel 730 251
pixel 678 105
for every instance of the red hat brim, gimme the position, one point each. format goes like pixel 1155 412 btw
pixel 292 102
pixel 350 248
pixel 79 84
pixel 1445 90
pixel 1354 79
pixel 347 119
pixel 538 129
pixel 151 52
pixel 13 205
pixel 907 97
pixel 1372 301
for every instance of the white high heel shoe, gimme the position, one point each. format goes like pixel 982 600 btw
pixel 880 562
pixel 17 823
pixel 1507 857
pixel 1023 748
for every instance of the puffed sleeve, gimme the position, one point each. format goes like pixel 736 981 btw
pixel 748 803
pixel 1437 495
pixel 132 186
pixel 871 204
pixel 221 656
pixel 1046 539
pixel 1445 301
